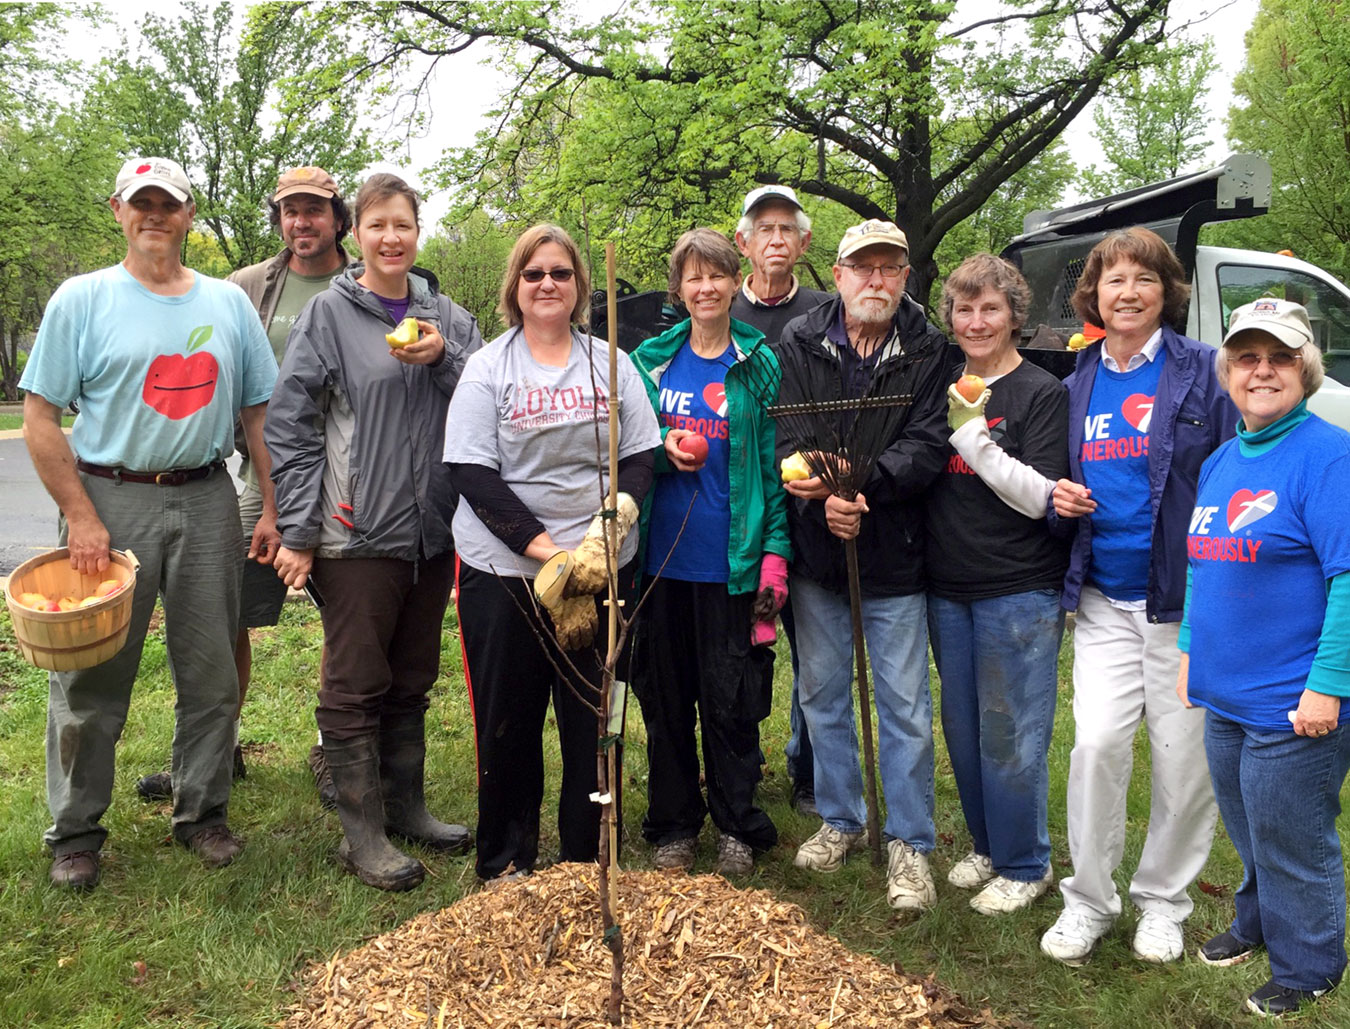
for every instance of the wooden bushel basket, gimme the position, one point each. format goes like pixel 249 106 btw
pixel 64 641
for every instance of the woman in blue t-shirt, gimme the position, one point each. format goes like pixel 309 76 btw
pixel 1145 410
pixel 1267 636
pixel 715 539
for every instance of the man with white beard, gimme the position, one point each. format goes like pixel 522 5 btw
pixel 871 338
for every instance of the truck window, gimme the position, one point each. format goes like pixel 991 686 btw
pixel 1328 310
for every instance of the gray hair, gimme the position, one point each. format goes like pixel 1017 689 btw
pixel 747 223
pixel 985 271
pixel 1311 371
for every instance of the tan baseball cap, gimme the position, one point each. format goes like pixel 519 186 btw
pixel 870 233
pixel 1283 319
pixel 306 179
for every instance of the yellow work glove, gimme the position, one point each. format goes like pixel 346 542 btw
pixel 960 410
pixel 574 622
pixel 582 572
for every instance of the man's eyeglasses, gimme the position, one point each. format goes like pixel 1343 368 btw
pixel 767 230
pixel 556 274
pixel 864 271
pixel 1280 360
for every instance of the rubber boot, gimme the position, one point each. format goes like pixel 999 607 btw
pixel 403 752
pixel 365 850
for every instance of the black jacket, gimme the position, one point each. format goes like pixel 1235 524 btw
pixel 891 541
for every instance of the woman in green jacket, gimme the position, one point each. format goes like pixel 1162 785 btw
pixel 716 541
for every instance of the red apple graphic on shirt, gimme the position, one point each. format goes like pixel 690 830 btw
pixel 178 385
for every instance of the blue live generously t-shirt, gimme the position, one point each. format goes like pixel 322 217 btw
pixel 1114 460
pixel 1267 533
pixel 693 396
pixel 159 379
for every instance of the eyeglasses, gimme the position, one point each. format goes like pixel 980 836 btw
pixel 556 274
pixel 864 271
pixel 1280 360
pixel 767 230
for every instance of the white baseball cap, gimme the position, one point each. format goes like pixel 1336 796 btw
pixel 1283 319
pixel 140 172
pixel 757 196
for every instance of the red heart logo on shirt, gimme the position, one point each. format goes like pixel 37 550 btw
pixel 715 396
pixel 1138 410
pixel 1246 507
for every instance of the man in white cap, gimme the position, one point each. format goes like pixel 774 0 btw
pixel 772 235
pixel 308 211
pixel 161 361
pixel 872 339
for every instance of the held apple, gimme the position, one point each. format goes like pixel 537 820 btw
pixel 970 387
pixel 405 333
pixel 794 468
pixel 695 446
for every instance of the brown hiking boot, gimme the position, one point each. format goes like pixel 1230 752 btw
pixel 76 871
pixel 215 845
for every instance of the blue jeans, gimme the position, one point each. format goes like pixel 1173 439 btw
pixel 1279 794
pixel 897 648
pixel 997 659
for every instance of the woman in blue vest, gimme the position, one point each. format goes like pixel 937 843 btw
pixel 1145 410
pixel 1267 635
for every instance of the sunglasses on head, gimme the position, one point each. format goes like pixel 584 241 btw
pixel 556 274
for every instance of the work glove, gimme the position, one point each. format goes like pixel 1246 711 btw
pixel 960 410
pixel 582 572
pixel 772 595
pixel 574 622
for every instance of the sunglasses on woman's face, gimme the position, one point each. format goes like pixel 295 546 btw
pixel 556 274
pixel 1280 360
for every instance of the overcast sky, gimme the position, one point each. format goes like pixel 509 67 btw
pixel 467 85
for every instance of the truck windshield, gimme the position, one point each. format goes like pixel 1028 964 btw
pixel 1328 309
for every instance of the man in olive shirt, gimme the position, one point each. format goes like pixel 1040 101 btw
pixel 312 218
pixel 773 233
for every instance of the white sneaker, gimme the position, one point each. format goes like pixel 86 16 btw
pixel 1073 936
pixel 1004 895
pixel 972 871
pixel 909 883
pixel 1158 938
pixel 829 848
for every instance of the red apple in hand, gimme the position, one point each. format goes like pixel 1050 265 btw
pixel 970 387
pixel 695 446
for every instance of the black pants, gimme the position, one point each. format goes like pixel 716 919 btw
pixel 692 650
pixel 511 682
pixel 382 624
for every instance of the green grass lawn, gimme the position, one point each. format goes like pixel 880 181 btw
pixel 15 421
pixel 225 948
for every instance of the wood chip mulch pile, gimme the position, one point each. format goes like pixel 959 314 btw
pixel 698 952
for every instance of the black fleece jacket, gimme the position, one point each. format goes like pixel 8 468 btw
pixel 891 539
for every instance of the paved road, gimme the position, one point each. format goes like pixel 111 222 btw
pixel 27 513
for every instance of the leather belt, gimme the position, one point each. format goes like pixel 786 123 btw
pixel 175 477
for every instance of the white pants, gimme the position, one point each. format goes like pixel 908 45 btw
pixel 1125 669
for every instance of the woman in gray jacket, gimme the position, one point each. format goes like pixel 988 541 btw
pixel 354 428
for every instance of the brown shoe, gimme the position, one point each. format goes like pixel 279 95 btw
pixel 215 845
pixel 76 871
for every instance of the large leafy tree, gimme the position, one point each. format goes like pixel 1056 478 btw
pixel 1295 110
pixel 56 167
pixel 1151 124
pixel 645 121
pixel 237 109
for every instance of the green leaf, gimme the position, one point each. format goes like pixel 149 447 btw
pixel 201 335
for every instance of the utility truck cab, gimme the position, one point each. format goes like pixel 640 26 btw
pixel 1054 246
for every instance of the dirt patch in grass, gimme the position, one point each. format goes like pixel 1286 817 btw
pixel 698 951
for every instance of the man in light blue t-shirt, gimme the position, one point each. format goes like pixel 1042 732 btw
pixel 160 360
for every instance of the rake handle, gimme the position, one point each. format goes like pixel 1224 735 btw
pixel 865 700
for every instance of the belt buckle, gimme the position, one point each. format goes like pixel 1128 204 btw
pixel 170 478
